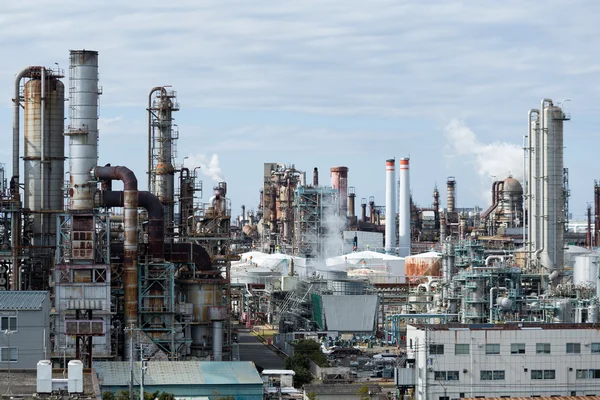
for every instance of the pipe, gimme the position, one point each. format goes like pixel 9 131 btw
pixel 43 154
pixel 130 213
pixel 543 185
pixel 217 347
pixel 532 186
pixel 152 91
pixel 16 119
pixel 156 216
pixel 316 177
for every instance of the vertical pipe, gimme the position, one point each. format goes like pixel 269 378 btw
pixel 351 202
pixel 316 177
pixel 390 205
pixel 533 186
pixel 83 128
pixel 217 340
pixel 588 236
pixel 43 168
pixel 404 213
pixel 363 205
pixel 152 91
pixel 596 213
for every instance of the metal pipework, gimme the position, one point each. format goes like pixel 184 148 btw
pixel 83 128
pixel 156 217
pixel 130 214
pixel 390 205
pixel 16 119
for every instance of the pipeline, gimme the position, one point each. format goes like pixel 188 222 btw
pixel 130 205
pixel 156 215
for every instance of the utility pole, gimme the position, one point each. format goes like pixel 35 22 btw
pixel 130 332
pixel 7 333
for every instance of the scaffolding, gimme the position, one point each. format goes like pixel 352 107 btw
pixel 311 206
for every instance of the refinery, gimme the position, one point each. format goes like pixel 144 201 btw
pixel 163 271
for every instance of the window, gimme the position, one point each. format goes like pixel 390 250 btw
pixel 436 349
pixel 6 351
pixel 445 375
pixel 491 375
pixel 461 349
pixel 542 348
pixel 492 348
pixel 517 348
pixel 587 374
pixel 595 347
pixel 573 348
pixel 8 323
pixel 543 374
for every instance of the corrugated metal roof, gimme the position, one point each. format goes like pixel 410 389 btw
pixel 22 300
pixel 116 373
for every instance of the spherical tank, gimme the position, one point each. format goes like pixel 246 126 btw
pixel 54 151
pixel 585 271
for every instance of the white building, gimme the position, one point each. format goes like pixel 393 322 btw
pixel 448 362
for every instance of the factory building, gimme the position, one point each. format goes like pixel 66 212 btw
pixel 506 360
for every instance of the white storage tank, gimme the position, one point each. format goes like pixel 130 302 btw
pixel 44 376
pixel 585 271
pixel 75 375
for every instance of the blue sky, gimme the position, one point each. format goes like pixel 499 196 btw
pixel 327 82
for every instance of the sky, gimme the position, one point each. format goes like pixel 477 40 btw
pixel 322 83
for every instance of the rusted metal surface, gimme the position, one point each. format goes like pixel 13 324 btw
pixel 417 267
pixel 130 237
pixel 339 181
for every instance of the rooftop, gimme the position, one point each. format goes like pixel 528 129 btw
pixel 116 373
pixel 22 300
pixel 510 326
pixel 341 389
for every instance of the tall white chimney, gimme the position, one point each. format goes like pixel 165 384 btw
pixel 390 205
pixel 404 212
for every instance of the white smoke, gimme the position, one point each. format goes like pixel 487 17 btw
pixel 208 166
pixel 333 224
pixel 492 161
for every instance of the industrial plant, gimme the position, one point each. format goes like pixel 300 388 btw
pixel 167 269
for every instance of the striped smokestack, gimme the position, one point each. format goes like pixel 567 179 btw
pixel 404 212
pixel 390 205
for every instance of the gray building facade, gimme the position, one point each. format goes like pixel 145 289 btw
pixel 24 328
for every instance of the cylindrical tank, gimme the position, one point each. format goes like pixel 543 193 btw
pixel 54 111
pixel 83 127
pixel 585 271
pixel 44 376
pixel 75 375
pixel 425 264
pixel 554 219
pixel 592 314
pixel 404 211
pixel 512 202
pixel 390 205
pixel 339 181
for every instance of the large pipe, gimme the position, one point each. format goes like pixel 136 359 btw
pixel 351 202
pixel 404 213
pixel 156 217
pixel 596 214
pixel 217 340
pixel 43 168
pixel 533 197
pixel 130 214
pixel 363 206
pixel 16 119
pixel 390 205
pixel 83 128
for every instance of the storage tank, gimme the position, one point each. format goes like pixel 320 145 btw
pixel 585 270
pixel 51 194
pixel 75 376
pixel 44 376
pixel 425 264
pixel 592 314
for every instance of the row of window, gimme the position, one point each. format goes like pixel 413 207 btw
pixel 587 374
pixel 515 348
pixel 7 353
pixel 8 323
pixel 499 375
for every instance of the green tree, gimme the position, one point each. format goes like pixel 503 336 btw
pixel 312 396
pixel 363 393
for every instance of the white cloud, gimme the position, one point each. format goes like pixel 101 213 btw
pixel 209 166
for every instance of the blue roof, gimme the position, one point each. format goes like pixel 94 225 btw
pixel 22 300
pixel 116 373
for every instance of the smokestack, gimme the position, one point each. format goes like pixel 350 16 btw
pixel 351 201
pixel 450 185
pixel 390 205
pixel 404 213
pixel 316 177
pixel 372 209
pixel 363 205
pixel 83 128
pixel 596 214
pixel 339 181
pixel 589 228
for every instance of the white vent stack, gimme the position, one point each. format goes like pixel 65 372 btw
pixel 75 376
pixel 83 127
pixel 390 205
pixel 44 376
pixel 404 212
